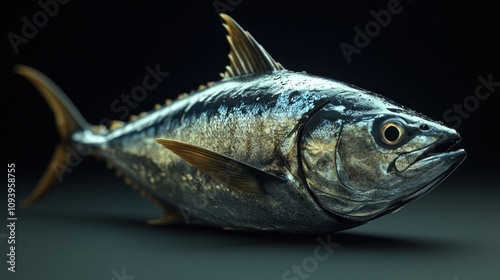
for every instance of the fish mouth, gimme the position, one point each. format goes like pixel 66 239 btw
pixel 456 158
pixel 426 168
pixel 441 150
pixel 433 156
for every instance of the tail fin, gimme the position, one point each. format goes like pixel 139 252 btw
pixel 68 120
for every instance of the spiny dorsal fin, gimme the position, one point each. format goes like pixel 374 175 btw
pixel 247 56
pixel 233 173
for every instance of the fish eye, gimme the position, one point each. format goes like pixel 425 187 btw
pixel 392 133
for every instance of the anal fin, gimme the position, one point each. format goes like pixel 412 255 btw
pixel 169 216
pixel 247 229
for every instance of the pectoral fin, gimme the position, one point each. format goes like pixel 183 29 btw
pixel 234 173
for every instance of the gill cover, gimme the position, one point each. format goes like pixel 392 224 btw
pixel 318 145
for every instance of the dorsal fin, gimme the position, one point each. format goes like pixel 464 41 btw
pixel 247 56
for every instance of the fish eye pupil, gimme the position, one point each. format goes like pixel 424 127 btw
pixel 392 133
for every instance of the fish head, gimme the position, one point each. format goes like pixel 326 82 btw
pixel 375 158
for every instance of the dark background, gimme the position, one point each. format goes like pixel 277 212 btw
pixel 427 58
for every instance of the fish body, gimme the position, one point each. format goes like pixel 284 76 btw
pixel 259 124
pixel 266 148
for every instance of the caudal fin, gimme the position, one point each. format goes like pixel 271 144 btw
pixel 68 120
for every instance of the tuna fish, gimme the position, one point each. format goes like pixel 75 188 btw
pixel 265 148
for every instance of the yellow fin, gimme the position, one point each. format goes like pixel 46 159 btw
pixel 169 216
pixel 49 177
pixel 68 120
pixel 247 56
pixel 233 173
pixel 247 229
pixel 99 129
pixel 115 124
pixel 182 95
pixel 128 181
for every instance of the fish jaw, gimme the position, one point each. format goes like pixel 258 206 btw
pixel 433 154
pixel 421 171
pixel 436 160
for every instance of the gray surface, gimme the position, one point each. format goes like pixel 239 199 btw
pixel 91 225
